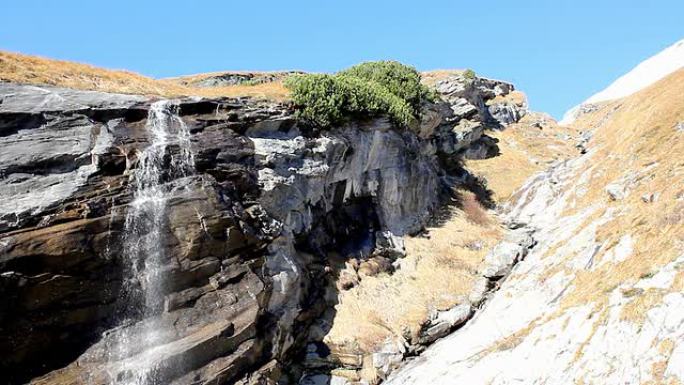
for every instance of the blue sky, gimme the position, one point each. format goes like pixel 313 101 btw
pixel 559 52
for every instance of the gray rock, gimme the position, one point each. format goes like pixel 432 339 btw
pixel 650 197
pixel 483 148
pixel 499 261
pixel 679 127
pixel 616 191
pixel 467 100
pixel 474 90
pixel 58 163
pixel 445 322
pixel 260 186
pixel 234 78
pixel 463 109
pixel 506 113
pixel 461 136
pixel 323 379
pixel 16 98
pixel 479 291
pixel 389 244
pixel 51 145
pixel 388 358
pixel 371 161
pixel 65 194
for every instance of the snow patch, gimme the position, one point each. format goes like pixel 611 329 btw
pixel 643 75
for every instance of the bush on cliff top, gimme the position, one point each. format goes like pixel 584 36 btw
pixel 469 74
pixel 399 79
pixel 368 89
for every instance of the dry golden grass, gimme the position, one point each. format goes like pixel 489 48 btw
pixel 473 210
pixel 515 97
pixel 639 134
pixel 274 91
pixel 525 149
pixel 678 283
pixel 36 70
pixel 26 69
pixel 635 310
pixel 438 271
pixel 666 346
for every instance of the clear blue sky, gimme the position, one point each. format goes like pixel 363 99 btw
pixel 557 51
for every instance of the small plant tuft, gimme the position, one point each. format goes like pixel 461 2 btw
pixel 469 74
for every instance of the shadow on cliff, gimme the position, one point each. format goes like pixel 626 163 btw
pixel 342 240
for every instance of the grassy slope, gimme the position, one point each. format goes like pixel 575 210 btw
pixel 526 147
pixel 26 69
pixel 636 144
pixel 636 141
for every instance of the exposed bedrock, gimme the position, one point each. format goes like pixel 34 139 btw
pixel 246 236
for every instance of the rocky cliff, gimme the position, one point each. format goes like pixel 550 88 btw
pixel 249 214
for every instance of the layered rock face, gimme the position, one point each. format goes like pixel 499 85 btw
pixel 243 235
pixel 65 274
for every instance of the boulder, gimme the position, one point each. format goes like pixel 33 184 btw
pixel 501 259
pixel 616 191
pixel 444 322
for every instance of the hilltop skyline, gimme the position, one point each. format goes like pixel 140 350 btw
pixel 557 53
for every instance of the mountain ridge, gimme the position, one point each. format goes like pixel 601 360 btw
pixel 641 76
pixel 483 243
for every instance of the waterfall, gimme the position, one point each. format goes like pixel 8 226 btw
pixel 135 349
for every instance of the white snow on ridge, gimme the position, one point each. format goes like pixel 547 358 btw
pixel 646 73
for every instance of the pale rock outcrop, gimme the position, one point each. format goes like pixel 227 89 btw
pixel 499 261
pixel 445 321
pixel 473 102
pixel 679 127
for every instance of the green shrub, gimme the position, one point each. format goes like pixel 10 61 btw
pixel 327 100
pixel 366 90
pixel 399 79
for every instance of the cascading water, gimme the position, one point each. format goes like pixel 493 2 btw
pixel 133 356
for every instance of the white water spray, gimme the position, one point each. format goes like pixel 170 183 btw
pixel 144 245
